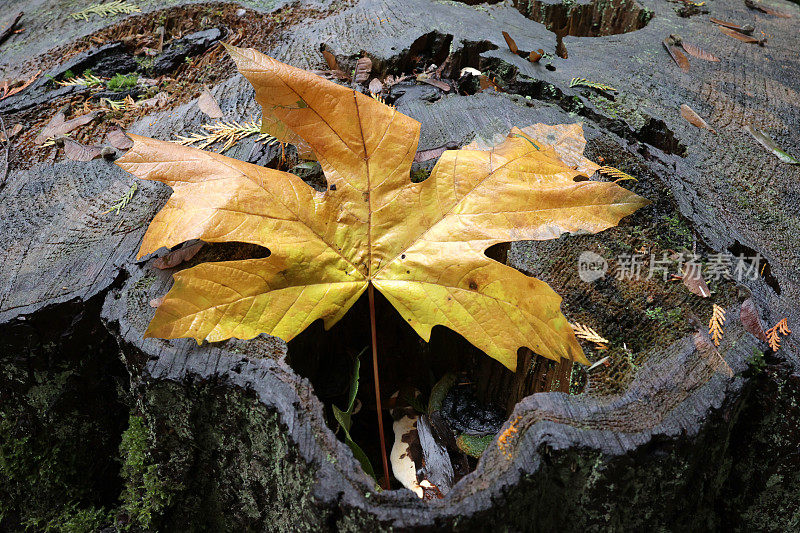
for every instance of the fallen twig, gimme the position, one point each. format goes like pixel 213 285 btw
pixel 4 175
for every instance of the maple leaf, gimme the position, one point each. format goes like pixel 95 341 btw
pixel 420 244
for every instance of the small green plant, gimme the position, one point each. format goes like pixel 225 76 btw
pixel 122 82
pixel 115 7
pixel 756 361
pixel 665 317
pixel 344 418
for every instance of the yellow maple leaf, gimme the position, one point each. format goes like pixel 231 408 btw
pixel 421 244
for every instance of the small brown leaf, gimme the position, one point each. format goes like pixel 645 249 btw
pixel 176 257
pixel 208 104
pixel 118 139
pixel 58 126
pixel 330 59
pixel 699 53
pixel 80 152
pixel 689 114
pixel 750 320
pixel 510 42
pixel 742 37
pixel 363 69
pixel 748 29
pixel 376 86
pixel 693 279
pixel 535 56
pixel 676 55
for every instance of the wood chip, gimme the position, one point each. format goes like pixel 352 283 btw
pixel 510 42
pixel 363 69
pixel 176 257
pixel 693 118
pixel 535 56
pixel 208 104
pixel 80 152
pixel 118 139
pixel 698 52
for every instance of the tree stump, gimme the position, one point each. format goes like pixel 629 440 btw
pixel 674 434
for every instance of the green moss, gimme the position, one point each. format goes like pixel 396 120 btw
pixel 122 82
pixel 146 494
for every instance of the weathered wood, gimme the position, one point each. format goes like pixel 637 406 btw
pixel 658 440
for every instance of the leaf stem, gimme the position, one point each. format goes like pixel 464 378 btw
pixel 377 384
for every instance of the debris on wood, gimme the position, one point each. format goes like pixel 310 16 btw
pixel 674 52
pixel 13 132
pixel 769 143
pixel 124 200
pixel 115 7
pixel 363 69
pixel 9 29
pixel 747 29
pixel 693 280
pixel 774 334
pixel 58 126
pixel 716 323
pixel 118 139
pixel 751 322
pixel 176 257
pixel 7 90
pixel 758 6
pixel 586 333
pixel 229 132
pixel 208 104
pixel 583 82
pixel 80 152
pixel 694 119
pixel 743 36
pixel 375 86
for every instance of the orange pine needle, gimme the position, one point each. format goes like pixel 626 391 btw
pixel 774 334
pixel 716 323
